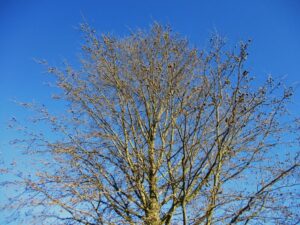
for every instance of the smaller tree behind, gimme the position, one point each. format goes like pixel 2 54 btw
pixel 157 132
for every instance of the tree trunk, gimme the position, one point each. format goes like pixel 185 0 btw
pixel 153 211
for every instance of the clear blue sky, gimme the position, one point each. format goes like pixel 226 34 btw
pixel 47 29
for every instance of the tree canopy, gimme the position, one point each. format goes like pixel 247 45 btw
pixel 157 131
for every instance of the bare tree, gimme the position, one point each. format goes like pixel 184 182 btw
pixel 158 132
